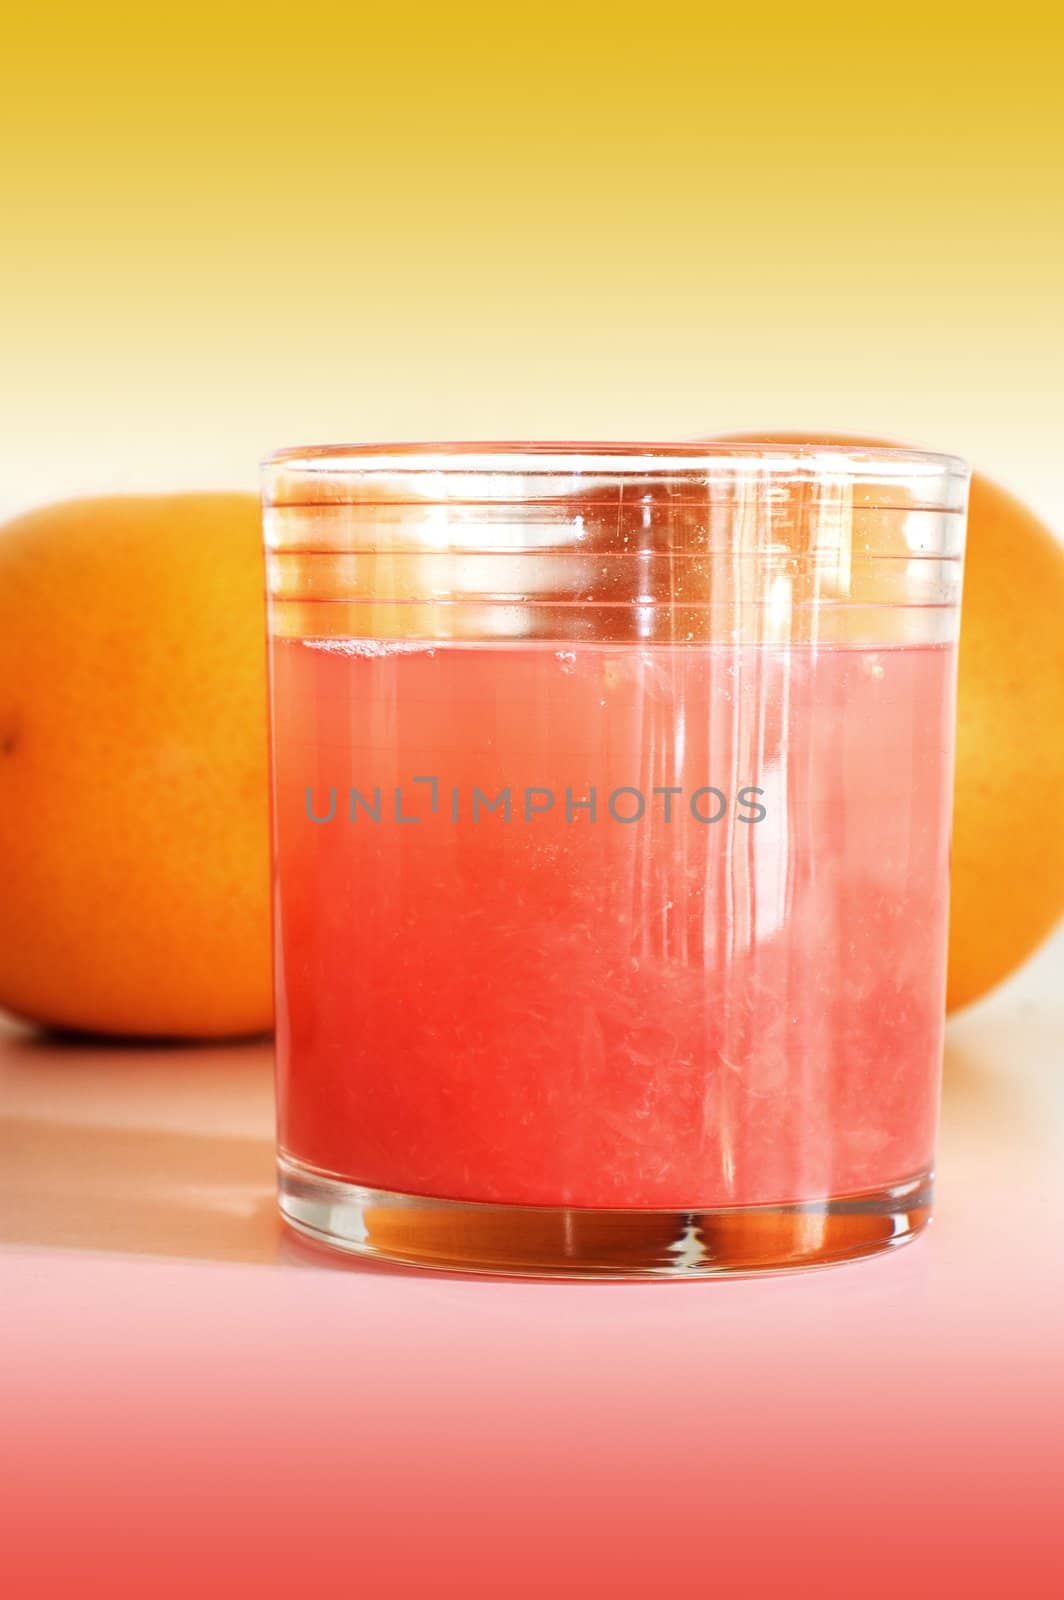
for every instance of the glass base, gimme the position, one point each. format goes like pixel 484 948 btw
pixel 576 1242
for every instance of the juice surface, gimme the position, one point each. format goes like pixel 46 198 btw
pixel 533 1003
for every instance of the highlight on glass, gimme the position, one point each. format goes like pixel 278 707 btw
pixel 611 805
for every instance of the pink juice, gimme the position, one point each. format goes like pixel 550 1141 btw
pixel 719 985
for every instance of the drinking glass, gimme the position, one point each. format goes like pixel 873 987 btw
pixel 611 818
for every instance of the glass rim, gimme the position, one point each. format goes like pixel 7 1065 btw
pixel 612 457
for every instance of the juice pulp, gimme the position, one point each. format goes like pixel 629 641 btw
pixel 619 1010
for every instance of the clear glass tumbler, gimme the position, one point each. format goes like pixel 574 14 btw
pixel 612 792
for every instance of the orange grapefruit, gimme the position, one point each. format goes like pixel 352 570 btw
pixel 133 767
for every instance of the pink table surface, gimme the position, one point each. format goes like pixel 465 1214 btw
pixel 194 1402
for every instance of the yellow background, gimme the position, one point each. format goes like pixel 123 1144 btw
pixel 228 228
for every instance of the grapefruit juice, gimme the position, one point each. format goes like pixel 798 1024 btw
pixel 534 949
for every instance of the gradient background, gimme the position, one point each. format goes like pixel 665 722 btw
pixel 226 229
pixel 231 228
